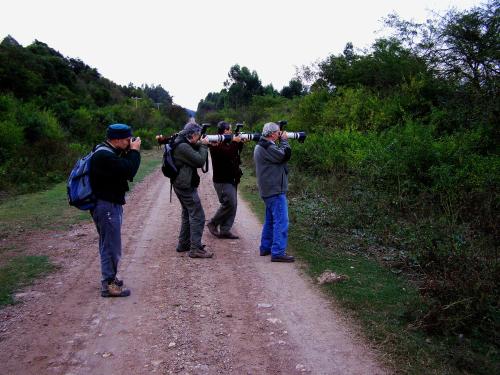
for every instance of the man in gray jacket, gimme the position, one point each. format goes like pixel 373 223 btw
pixel 190 152
pixel 272 179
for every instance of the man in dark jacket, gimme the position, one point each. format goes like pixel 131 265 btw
pixel 272 179
pixel 190 152
pixel 226 177
pixel 114 163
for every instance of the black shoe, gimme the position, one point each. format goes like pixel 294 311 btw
pixel 182 247
pixel 264 253
pixel 282 258
pixel 212 228
pixel 228 235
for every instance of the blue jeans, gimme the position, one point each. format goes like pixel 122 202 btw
pixel 108 222
pixel 275 231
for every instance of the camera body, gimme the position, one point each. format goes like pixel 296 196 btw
pixel 238 127
pixel 282 124
pixel 204 128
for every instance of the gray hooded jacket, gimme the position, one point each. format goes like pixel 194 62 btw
pixel 271 167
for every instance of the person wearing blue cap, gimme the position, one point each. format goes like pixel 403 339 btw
pixel 114 164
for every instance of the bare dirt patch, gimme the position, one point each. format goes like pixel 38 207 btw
pixel 237 313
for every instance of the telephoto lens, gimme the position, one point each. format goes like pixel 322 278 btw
pixel 299 136
pixel 219 137
pixel 250 137
pixel 163 140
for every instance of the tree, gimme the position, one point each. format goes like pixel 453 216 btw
pixel 459 45
pixel 242 85
pixel 388 65
pixel 461 49
pixel 294 88
pixel 158 94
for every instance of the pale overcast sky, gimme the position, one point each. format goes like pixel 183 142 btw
pixel 188 46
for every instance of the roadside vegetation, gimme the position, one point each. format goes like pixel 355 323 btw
pixel 396 185
pixel 53 109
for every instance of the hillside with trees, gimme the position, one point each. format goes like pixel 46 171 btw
pixel 54 109
pixel 401 155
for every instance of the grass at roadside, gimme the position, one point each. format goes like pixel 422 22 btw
pixel 20 271
pixel 45 210
pixel 379 297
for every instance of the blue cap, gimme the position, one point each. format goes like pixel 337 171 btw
pixel 118 131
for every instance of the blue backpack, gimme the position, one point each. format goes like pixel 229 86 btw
pixel 80 193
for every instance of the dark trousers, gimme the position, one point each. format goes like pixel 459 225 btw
pixel 107 218
pixel 226 213
pixel 193 219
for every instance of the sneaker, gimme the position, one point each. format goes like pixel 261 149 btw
pixel 114 290
pixel 282 258
pixel 212 228
pixel 228 235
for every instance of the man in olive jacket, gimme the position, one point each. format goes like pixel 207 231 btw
pixel 114 163
pixel 272 179
pixel 190 152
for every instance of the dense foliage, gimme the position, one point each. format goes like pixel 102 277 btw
pixel 405 137
pixel 53 109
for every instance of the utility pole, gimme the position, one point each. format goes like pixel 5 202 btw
pixel 136 98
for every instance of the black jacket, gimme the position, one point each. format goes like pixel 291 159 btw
pixel 110 171
pixel 226 162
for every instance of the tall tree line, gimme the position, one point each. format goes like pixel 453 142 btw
pixel 54 108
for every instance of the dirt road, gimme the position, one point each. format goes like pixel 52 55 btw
pixel 237 313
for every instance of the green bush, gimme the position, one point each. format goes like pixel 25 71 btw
pixel 338 152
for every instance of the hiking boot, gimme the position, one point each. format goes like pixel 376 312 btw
pixel 212 228
pixel 264 253
pixel 228 235
pixel 200 253
pixel 118 282
pixel 114 290
pixel 282 258
pixel 182 249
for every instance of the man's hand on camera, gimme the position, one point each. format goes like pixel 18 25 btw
pixel 135 143
pixel 236 138
pixel 204 140
pixel 284 136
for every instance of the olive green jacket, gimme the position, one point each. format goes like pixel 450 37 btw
pixel 188 158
